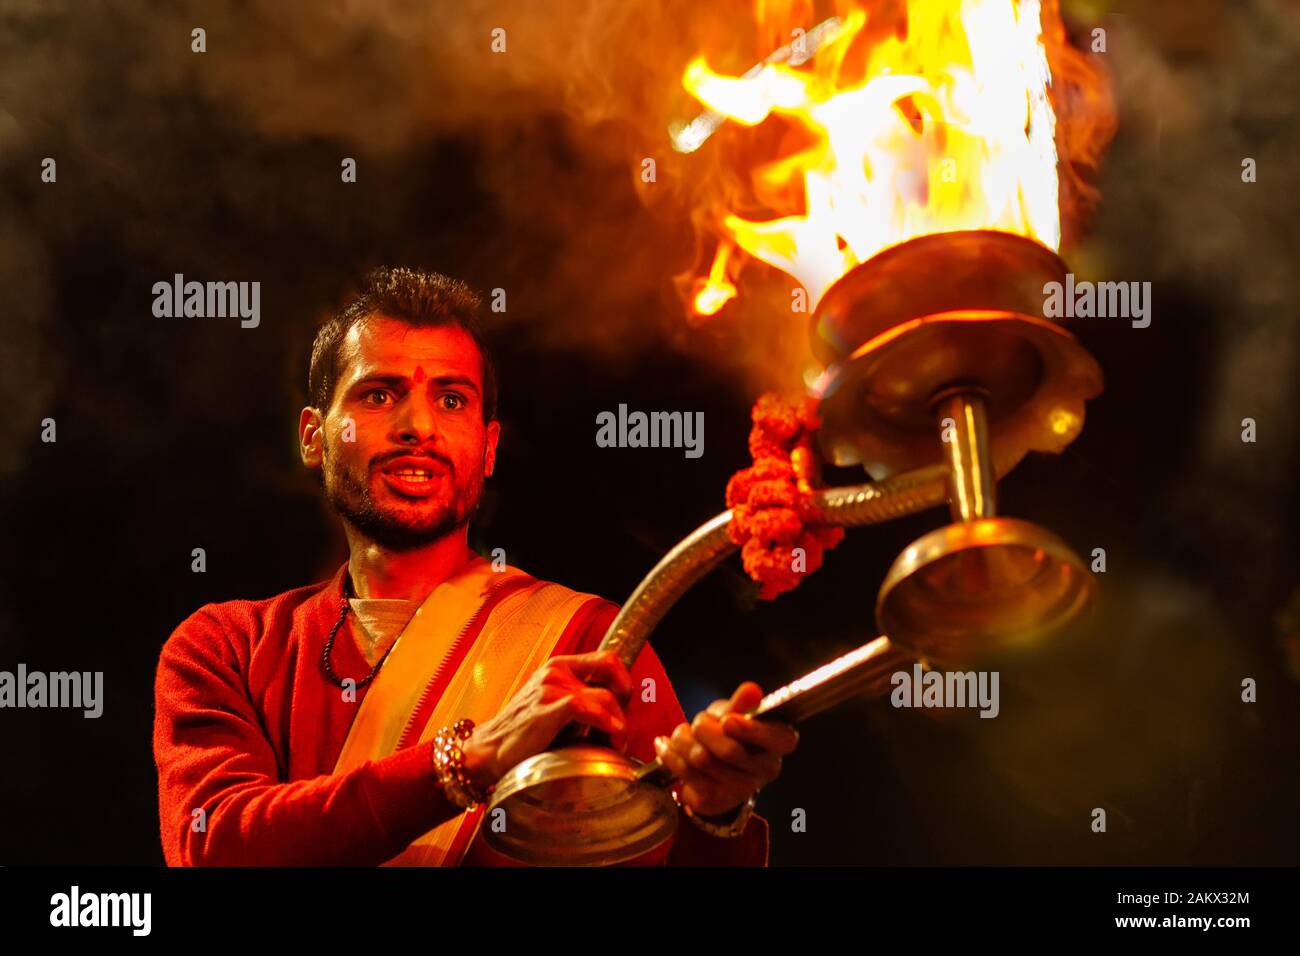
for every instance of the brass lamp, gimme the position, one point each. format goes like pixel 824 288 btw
pixel 941 376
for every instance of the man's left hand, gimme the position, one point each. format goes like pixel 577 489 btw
pixel 723 757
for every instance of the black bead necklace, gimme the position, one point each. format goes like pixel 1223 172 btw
pixel 329 648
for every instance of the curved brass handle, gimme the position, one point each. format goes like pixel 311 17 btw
pixel 704 549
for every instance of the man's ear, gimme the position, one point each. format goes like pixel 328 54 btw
pixel 311 436
pixel 490 451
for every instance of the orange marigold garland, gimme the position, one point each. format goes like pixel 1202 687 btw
pixel 769 515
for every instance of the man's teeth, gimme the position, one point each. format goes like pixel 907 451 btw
pixel 413 474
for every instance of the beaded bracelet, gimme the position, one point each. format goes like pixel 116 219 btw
pixel 449 765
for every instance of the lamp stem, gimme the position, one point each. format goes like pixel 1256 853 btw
pixel 964 428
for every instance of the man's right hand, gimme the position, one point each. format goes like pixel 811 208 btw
pixel 588 689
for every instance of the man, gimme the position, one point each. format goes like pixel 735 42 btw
pixel 363 720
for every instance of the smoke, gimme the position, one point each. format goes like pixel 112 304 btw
pixel 208 160
pixel 559 125
pixel 1216 91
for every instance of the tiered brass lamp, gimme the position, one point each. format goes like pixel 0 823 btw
pixel 941 376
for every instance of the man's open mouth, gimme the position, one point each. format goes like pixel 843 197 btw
pixel 413 476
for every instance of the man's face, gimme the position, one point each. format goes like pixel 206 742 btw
pixel 403 446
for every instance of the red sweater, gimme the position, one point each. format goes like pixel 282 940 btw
pixel 247 730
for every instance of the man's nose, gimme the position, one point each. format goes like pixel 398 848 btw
pixel 417 421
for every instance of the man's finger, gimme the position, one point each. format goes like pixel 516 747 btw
pixel 719 707
pixel 759 766
pixel 594 713
pixel 729 750
pixel 683 743
pixel 602 698
pixel 675 762
pixel 747 696
pixel 719 777
pixel 682 739
pixel 770 735
pixel 603 668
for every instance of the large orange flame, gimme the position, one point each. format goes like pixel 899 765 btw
pixel 940 121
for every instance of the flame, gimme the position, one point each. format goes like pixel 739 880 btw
pixel 943 125
pixel 715 291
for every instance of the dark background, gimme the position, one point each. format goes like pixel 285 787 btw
pixel 518 172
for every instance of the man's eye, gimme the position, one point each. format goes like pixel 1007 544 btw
pixel 377 396
pixel 453 401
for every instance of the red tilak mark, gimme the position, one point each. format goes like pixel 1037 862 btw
pixel 419 375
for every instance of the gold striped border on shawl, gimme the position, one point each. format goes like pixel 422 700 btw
pixel 417 654
pixel 518 637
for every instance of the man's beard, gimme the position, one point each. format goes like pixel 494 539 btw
pixel 349 494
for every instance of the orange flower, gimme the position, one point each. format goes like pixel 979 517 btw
pixel 768 513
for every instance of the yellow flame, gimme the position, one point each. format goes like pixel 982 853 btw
pixel 717 290
pixel 946 126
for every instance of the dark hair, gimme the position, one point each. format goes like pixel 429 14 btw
pixel 411 296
